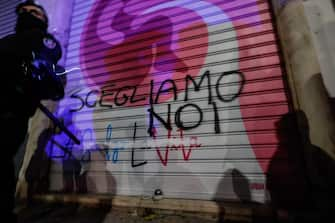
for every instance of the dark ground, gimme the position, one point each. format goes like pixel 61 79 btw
pixel 60 213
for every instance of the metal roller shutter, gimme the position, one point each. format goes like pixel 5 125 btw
pixel 7 16
pixel 182 96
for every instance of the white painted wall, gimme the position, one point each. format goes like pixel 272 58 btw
pixel 321 18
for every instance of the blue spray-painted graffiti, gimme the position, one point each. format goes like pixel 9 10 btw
pixel 114 157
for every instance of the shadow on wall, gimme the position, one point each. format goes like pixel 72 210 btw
pixel 80 167
pixel 320 169
pixel 241 186
pixel 102 181
pixel 74 176
pixel 332 102
pixel 301 175
pixel 286 179
pixel 76 179
pixel 235 185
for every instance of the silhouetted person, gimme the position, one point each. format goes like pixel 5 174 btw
pixel 27 61
pixel 300 176
pixel 286 177
pixel 320 171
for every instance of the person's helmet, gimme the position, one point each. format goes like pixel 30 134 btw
pixel 33 3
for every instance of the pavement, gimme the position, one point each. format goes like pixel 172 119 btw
pixel 66 213
pixel 60 212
